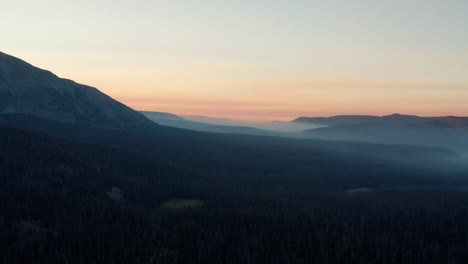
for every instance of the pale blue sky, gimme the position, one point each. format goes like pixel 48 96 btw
pixel 253 59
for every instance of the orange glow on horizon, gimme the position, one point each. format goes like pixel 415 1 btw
pixel 254 60
pixel 257 101
pixel 264 94
pixel 270 111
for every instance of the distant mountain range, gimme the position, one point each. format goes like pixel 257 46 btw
pixel 444 132
pixel 395 119
pixel 171 120
pixel 447 132
pixel 214 120
pixel 161 116
pixel 25 89
pixel 221 125
pixel 275 126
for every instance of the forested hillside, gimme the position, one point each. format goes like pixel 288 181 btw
pixel 64 202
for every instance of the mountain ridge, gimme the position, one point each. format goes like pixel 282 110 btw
pixel 27 89
pixel 394 119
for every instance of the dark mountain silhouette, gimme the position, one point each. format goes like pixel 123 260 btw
pixel 336 120
pixel 226 126
pixel 171 120
pixel 450 121
pixel 30 90
pixel 395 119
pixel 213 120
pixel 161 116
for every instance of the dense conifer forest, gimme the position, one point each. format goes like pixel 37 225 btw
pixel 74 201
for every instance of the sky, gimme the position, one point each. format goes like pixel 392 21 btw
pixel 253 60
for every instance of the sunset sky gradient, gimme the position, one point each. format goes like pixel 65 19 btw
pixel 253 60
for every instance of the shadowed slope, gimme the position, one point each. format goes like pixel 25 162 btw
pixel 30 90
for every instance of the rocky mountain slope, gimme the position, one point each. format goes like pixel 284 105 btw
pixel 25 89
